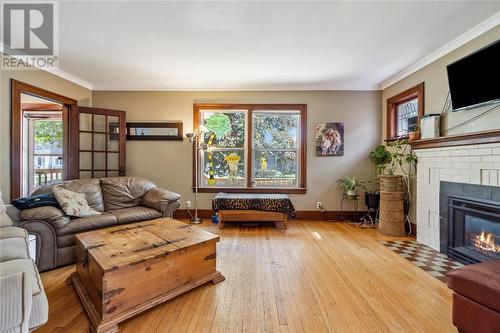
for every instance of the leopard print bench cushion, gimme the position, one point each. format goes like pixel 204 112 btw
pixel 264 202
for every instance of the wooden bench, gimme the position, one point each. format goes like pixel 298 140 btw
pixel 255 207
pixel 279 219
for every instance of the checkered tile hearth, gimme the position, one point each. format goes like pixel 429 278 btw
pixel 431 261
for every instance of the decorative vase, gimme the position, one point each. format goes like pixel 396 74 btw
pixel 352 193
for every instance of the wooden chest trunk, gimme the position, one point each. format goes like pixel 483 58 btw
pixel 124 270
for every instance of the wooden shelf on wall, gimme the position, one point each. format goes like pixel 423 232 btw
pixel 465 139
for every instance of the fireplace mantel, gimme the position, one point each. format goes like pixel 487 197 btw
pixel 465 139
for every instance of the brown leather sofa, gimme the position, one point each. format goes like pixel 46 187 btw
pixel 476 297
pixel 121 200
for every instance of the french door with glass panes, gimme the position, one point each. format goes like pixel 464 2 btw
pixel 100 134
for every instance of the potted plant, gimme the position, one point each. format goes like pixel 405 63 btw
pixel 381 157
pixel 415 134
pixel 350 185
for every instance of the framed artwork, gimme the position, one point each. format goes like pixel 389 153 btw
pixel 329 139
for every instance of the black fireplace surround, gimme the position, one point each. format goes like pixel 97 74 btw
pixel 469 222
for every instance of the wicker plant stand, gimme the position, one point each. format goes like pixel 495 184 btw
pixel 391 221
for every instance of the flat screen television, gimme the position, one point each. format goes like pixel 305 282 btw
pixel 475 79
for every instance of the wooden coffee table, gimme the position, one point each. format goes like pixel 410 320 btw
pixel 124 270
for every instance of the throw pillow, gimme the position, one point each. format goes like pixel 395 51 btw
pixel 73 203
pixel 5 220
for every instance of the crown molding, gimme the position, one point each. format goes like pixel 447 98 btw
pixel 69 77
pixel 300 88
pixel 461 40
pixel 55 71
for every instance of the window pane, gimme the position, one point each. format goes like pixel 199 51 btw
pixel 404 111
pixel 85 122
pixel 100 142
pixel 275 168
pixel 228 168
pixel 99 123
pixel 275 130
pixel 229 128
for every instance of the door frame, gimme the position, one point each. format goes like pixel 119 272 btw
pixel 16 159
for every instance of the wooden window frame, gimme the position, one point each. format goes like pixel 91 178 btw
pixel 392 103
pixel 16 159
pixel 302 108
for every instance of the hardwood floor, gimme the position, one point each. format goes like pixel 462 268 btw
pixel 312 277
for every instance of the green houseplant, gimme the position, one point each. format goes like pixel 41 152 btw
pixel 381 157
pixel 350 185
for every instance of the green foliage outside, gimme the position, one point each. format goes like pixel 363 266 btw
pixel 49 133
pixel 271 131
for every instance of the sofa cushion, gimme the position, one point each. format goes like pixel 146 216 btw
pixel 5 220
pixel 134 214
pixel 13 248
pixel 478 282
pixel 90 187
pixel 87 223
pixel 66 240
pixel 13 232
pixel 39 310
pixel 53 215
pixel 124 192
pixel 26 266
pixel 73 203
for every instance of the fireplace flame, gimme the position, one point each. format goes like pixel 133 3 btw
pixel 485 241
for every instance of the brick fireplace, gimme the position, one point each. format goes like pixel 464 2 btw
pixel 462 163
pixel 470 222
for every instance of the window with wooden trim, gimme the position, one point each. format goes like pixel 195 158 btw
pixel 251 147
pixel 404 110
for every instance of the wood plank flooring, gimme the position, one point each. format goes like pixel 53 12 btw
pixel 312 277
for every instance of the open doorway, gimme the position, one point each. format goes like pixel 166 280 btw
pixel 43 142
pixel 40 140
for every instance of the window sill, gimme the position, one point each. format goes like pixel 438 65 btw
pixel 405 137
pixel 295 190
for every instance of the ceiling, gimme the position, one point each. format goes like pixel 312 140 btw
pixel 255 45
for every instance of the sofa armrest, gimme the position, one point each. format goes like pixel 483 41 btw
pixel 162 200
pixel 52 215
pixel 16 302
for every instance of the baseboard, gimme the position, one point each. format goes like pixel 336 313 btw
pixel 184 213
pixel 302 215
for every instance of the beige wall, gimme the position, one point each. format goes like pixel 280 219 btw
pixel 42 80
pixel 169 163
pixel 436 88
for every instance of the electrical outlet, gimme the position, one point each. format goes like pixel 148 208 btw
pixel 318 205
pixel 188 204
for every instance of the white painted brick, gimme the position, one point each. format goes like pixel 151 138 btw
pixel 471 172
pixel 494 177
pixel 468 147
pixel 492 158
pixel 485 177
pixel 461 165
pixel 482 152
pixel 476 164
pixel 445 178
pixel 482 165
pixel 459 153
pixel 490 145
pixel 450 171
pixel 470 159
pixel 475 180
pixel 461 179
